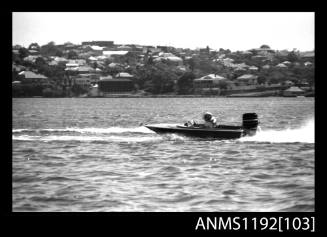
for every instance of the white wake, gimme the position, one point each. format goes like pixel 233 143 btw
pixel 89 130
pixel 305 134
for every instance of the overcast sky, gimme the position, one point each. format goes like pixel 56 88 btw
pixel 234 31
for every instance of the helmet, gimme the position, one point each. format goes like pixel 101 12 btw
pixel 207 116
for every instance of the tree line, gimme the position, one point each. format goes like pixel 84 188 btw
pixel 156 77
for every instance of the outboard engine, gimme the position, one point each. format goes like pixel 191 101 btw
pixel 250 123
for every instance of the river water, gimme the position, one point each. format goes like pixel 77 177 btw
pixel 93 154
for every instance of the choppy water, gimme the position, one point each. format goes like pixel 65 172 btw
pixel 76 154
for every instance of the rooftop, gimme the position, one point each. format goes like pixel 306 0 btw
pixel 95 47
pixel 118 52
pixel 106 78
pixel 124 74
pixel 210 77
pixel 114 79
pixel 294 89
pixel 281 65
pixel 174 59
pixel 247 77
pixel 93 58
pixel 60 59
pixel 29 74
pixel 85 69
pixel 253 68
pixel 72 64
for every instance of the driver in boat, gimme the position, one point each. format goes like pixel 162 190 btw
pixel 209 122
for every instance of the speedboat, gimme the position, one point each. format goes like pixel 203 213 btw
pixel 248 128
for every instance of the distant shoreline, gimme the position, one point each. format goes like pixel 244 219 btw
pixel 170 96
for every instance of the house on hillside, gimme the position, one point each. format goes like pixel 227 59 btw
pixel 92 50
pixel 97 48
pixel 115 65
pixel 115 53
pixel 115 85
pixel 92 59
pixel 84 82
pixel 253 68
pixel 32 77
pixel 124 47
pixel 61 59
pixel 168 57
pixel 71 66
pixel 208 83
pixel 125 75
pixel 78 65
pixel 85 69
pixel 57 61
pixel 293 92
pixel 76 62
pixel 246 52
pixel 98 70
pixel 175 60
pixel 286 63
pixel 240 67
pixel 106 77
pixel 247 79
pixel 101 58
pixel 31 58
pixel 281 65
pixel 108 44
pixel 93 77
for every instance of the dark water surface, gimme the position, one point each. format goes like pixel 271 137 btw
pixel 84 154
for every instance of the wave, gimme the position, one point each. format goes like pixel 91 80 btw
pixel 91 134
pixel 304 134
pixel 85 138
pixel 87 130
